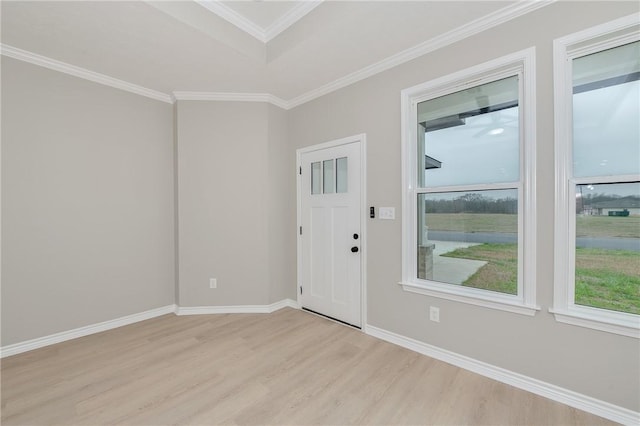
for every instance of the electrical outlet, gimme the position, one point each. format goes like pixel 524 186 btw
pixel 434 313
pixel 213 283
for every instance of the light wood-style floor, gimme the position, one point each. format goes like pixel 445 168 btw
pixel 289 367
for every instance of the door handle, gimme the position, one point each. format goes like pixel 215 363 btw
pixel 354 249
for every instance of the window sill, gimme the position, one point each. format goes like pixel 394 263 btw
pixel 617 323
pixel 486 301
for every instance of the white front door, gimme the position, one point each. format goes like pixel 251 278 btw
pixel 330 234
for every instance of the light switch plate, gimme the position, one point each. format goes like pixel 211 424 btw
pixel 387 213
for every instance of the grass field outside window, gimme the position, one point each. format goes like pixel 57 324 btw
pixel 604 278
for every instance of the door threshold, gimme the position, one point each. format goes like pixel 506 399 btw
pixel 331 318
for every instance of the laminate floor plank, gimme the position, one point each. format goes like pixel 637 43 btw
pixel 285 368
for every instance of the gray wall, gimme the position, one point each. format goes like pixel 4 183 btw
pixel 594 363
pixel 236 208
pixel 222 202
pixel 87 203
pixel 89 192
pixel 281 209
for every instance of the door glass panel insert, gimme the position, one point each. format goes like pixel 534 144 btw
pixel 315 178
pixel 329 176
pixel 341 175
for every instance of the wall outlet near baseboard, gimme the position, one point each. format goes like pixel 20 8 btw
pixel 434 313
pixel 213 283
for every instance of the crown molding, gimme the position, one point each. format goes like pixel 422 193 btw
pixel 472 28
pixel 231 97
pixel 233 17
pixel 43 61
pixel 291 17
pixel 481 24
pixel 263 34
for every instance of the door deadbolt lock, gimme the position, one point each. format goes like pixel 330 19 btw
pixel 356 236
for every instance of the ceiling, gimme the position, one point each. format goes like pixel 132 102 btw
pixel 288 49
pixel 263 19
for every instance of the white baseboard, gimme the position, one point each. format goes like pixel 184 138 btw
pixel 39 342
pixel 52 339
pixel 538 387
pixel 237 309
pixel 284 303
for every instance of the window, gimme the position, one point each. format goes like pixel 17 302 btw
pixel 468 204
pixel 597 270
pixel 334 178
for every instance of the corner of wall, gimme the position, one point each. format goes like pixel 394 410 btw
pixel 176 222
pixel 281 232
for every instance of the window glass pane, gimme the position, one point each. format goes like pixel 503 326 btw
pixel 341 174
pixel 470 239
pixel 606 111
pixel 471 136
pixel 315 178
pixel 607 272
pixel 328 174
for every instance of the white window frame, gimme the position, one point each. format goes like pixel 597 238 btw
pixel 521 64
pixel 565 50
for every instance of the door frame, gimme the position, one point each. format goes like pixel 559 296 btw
pixel 362 140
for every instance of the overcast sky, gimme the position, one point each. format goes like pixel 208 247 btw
pixel 485 149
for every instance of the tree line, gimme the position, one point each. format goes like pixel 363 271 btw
pixel 473 203
pixel 590 198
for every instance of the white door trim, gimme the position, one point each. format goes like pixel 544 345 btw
pixel 362 140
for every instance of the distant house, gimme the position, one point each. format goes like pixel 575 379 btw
pixel 602 208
